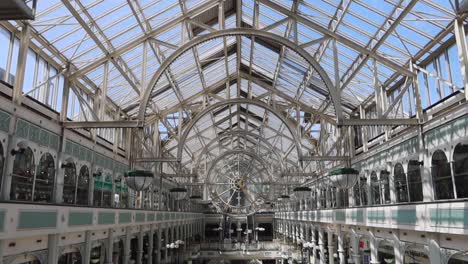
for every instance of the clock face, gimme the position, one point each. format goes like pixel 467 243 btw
pixel 239 183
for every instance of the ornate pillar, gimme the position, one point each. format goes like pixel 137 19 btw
pixel 158 245
pixel 399 251
pixel 140 246
pixel 356 256
pixel 87 248
pixel 341 250
pixel 314 245
pixel 53 252
pixel 321 245
pixel 127 241
pixel 150 245
pixel 109 246
pixel 331 247
pixel 374 249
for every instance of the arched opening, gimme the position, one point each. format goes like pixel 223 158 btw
pixel 69 182
pixel 44 182
pixel 375 188
pixel 146 253
pixel 460 170
pixel 118 252
pixel 385 185
pixel 441 176
pixel 23 175
pixel 121 193
pixel 363 191
pixel 82 191
pixel 459 258
pixel 70 258
pixel 416 254
pixel 414 181
pixel 97 256
pixel 103 190
pixel 364 249
pixel 386 253
pixel 401 186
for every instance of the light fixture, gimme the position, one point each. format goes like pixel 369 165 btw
pixel 343 178
pixel 14 152
pixel 139 180
pixel 302 192
pixel 21 147
pixel 179 193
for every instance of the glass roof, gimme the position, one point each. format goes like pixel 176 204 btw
pixel 363 45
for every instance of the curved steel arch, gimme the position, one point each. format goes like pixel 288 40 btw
pixel 238 151
pixel 334 93
pixel 237 132
pixel 212 107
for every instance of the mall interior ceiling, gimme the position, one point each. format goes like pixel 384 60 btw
pixel 233 131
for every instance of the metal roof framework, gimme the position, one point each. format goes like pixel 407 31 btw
pixel 111 50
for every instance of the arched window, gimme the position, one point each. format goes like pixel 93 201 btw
pixel 82 191
pixel 401 186
pixel 69 182
pixel 441 176
pixel 121 193
pixel 460 170
pixel 103 190
pixel 71 257
pixel 385 185
pixel 363 190
pixel 323 198
pixel 357 194
pixel 45 176
pixel 23 175
pixel 107 199
pixel 414 181
pixel 375 188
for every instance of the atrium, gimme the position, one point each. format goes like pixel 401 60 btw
pixel 233 131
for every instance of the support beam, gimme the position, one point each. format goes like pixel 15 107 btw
pixel 379 122
pixel 462 46
pixel 149 160
pixel 236 32
pixel 339 38
pixel 103 124
pixel 325 158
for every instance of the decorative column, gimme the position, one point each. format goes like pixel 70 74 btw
pixel 341 250
pixel 331 247
pixel 356 256
pixel 436 254
pixel 166 241
pixel 109 246
pixel 314 247
pixel 321 245
pixel 399 251
pixel 158 245
pixel 127 248
pixel 52 253
pixel 150 245
pixel 374 249
pixel 140 246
